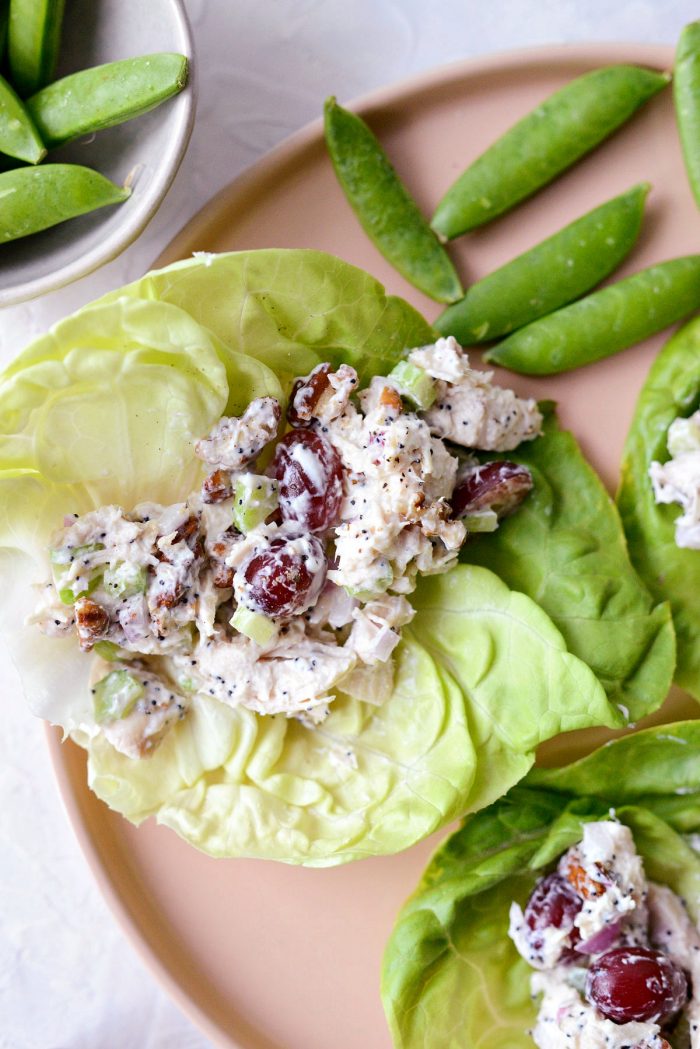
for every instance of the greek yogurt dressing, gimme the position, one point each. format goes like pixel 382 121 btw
pixel 159 584
pixel 678 479
pixel 609 873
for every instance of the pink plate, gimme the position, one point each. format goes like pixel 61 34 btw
pixel 263 956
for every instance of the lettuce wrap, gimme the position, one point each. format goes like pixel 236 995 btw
pixel 105 409
pixel 452 978
pixel 565 548
pixel 671 389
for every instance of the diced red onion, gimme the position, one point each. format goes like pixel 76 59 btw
pixel 600 941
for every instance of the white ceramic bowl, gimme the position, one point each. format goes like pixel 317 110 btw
pixel 148 149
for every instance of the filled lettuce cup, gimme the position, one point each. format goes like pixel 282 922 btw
pixel 233 499
pixel 565 914
pixel 659 496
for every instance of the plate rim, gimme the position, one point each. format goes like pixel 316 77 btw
pixel 381 97
pixel 605 52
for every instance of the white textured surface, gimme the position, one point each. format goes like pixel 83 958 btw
pixel 68 977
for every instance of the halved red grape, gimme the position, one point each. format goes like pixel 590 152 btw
pixel 499 485
pixel 553 903
pixel 310 476
pixel 285 578
pixel 636 983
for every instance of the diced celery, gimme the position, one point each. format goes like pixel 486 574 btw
pixel 65 555
pixel 382 582
pixel 481 521
pixel 684 436
pixel 61 561
pixel 187 684
pixel 69 596
pixel 115 695
pixel 414 384
pixel 125 579
pixel 255 626
pixel 254 499
pixel 108 650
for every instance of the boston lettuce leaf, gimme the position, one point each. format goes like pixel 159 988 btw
pixel 291 309
pixel 671 389
pixel 452 978
pixel 566 549
pixel 371 780
pixel 105 409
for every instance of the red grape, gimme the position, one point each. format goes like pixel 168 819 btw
pixel 498 485
pixel 553 903
pixel 636 983
pixel 285 578
pixel 310 476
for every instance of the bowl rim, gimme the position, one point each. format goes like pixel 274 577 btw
pixel 112 246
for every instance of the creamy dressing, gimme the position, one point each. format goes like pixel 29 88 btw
pixel 566 1021
pixel 620 908
pixel 153 590
pixel 678 479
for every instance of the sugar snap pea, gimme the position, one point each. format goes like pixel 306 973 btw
pixel 604 322
pixel 554 272
pixel 105 95
pixel 686 93
pixel 544 143
pixel 18 135
pixel 32 199
pixel 34 32
pixel 386 210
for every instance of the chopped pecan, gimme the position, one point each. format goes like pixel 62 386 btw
pixel 91 620
pixel 306 393
pixel 322 395
pixel 168 598
pixel 217 487
pixel 187 530
pixel 223 577
pixel 390 398
pixel 581 881
pixel 223 574
pixel 167 590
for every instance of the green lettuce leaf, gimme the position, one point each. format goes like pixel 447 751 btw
pixel 566 549
pixel 671 389
pixel 291 309
pixel 115 396
pixel 234 783
pixel 451 976
pixel 105 409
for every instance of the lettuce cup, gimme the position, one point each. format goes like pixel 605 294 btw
pixel 188 476
pixel 658 496
pixel 565 914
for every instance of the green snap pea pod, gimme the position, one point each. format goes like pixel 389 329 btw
pixel 105 95
pixel 686 94
pixel 557 271
pixel 386 210
pixel 604 322
pixel 32 199
pixel 544 143
pixel 33 38
pixel 18 135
